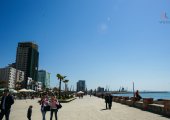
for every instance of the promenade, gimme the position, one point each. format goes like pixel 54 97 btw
pixel 88 108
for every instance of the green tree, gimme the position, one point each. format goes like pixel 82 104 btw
pixel 65 81
pixel 61 78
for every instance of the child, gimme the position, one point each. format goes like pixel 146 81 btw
pixel 29 112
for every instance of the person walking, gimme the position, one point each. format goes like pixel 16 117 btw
pixel 110 97
pixel 106 100
pixel 6 102
pixel 29 112
pixel 53 104
pixel 44 103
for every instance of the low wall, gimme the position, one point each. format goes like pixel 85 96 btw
pixel 148 104
pixel 66 101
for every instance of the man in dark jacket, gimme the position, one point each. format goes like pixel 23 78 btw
pixel 5 106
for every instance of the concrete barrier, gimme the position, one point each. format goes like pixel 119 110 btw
pixel 130 103
pixel 133 98
pixel 167 107
pixel 159 107
pixel 118 98
pixel 138 104
pixel 156 108
pixel 146 102
pixel 124 99
pixel 114 98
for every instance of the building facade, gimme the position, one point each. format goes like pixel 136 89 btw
pixel 39 86
pixel 19 76
pixel 27 60
pixel 9 76
pixel 100 89
pixel 81 85
pixel 44 78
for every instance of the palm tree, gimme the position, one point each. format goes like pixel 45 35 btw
pixel 65 81
pixel 60 77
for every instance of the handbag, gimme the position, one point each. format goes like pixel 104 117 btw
pixel 47 108
pixel 59 106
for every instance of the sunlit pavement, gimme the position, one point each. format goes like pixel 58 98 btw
pixel 88 108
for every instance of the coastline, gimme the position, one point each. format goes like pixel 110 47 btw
pixel 129 92
pixel 155 95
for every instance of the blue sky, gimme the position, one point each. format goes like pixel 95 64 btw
pixel 105 42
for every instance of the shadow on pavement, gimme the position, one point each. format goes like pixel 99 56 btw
pixel 103 109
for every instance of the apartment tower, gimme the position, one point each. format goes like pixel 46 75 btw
pixel 81 85
pixel 27 60
pixel 44 78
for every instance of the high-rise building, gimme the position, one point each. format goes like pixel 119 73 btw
pixel 44 78
pixel 81 85
pixel 27 60
pixel 9 76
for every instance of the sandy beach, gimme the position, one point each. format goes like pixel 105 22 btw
pixel 88 108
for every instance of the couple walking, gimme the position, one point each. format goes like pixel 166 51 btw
pixel 108 100
pixel 49 105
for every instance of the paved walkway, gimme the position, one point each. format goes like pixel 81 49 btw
pixel 88 108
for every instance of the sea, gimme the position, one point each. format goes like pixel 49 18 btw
pixel 154 95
